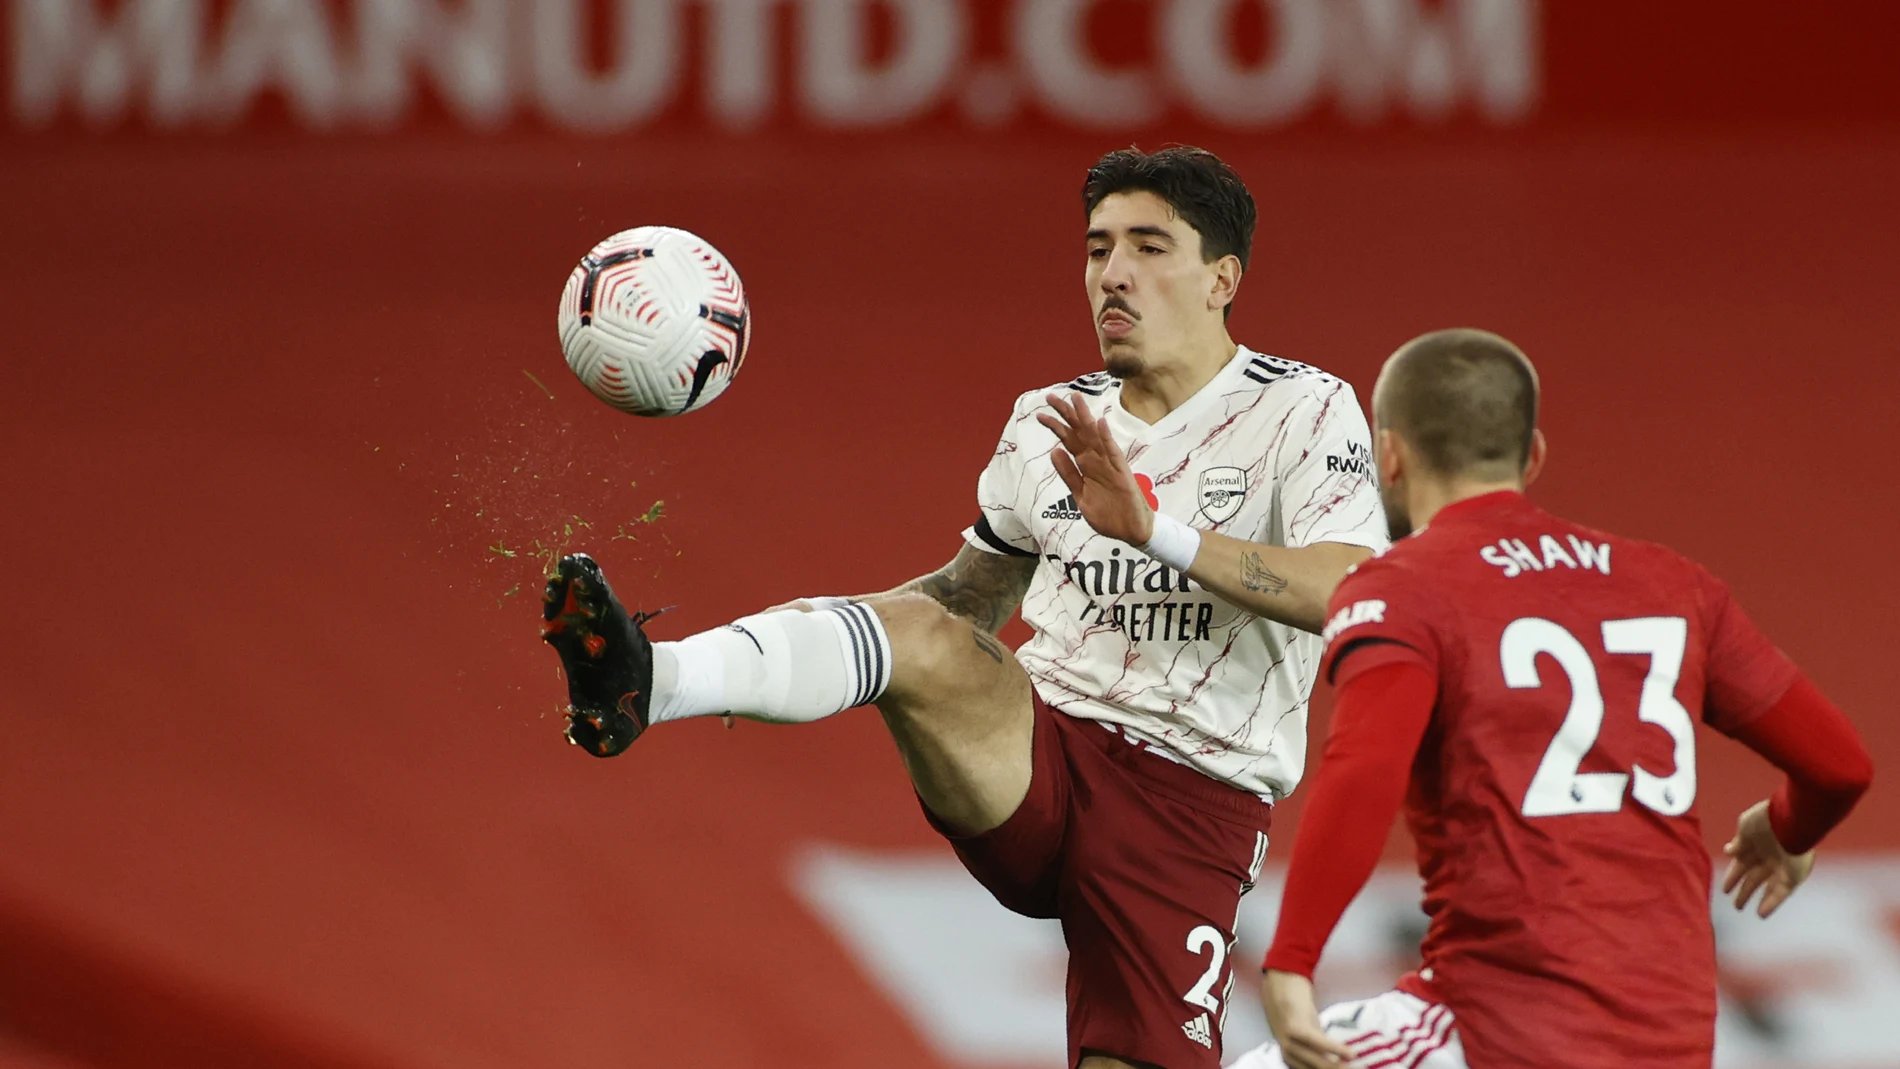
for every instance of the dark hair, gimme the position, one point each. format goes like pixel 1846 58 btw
pixel 1466 400
pixel 1196 184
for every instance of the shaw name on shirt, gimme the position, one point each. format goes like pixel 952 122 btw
pixel 1516 557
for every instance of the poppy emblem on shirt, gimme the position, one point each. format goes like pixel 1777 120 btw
pixel 1222 491
pixel 1147 486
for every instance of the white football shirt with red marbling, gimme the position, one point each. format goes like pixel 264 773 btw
pixel 1269 451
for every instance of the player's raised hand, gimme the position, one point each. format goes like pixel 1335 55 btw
pixel 1096 471
pixel 1758 862
pixel 1294 1018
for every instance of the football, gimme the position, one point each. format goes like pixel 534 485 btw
pixel 654 321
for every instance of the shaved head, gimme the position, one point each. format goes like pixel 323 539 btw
pixel 1464 400
pixel 1463 404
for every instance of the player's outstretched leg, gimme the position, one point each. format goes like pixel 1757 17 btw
pixel 953 696
pixel 960 709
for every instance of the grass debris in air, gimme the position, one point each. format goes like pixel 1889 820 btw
pixel 538 382
pixel 630 532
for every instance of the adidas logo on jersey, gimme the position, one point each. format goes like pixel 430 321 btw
pixel 1198 1031
pixel 1063 510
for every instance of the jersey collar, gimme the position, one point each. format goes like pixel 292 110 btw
pixel 1495 501
pixel 1133 427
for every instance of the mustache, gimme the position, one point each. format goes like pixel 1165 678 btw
pixel 1116 304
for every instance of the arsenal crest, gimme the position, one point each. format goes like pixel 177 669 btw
pixel 1222 490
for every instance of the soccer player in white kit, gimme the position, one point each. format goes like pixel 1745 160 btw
pixel 1171 527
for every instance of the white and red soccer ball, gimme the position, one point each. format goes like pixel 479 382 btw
pixel 654 321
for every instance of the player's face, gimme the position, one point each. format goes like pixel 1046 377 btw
pixel 1148 286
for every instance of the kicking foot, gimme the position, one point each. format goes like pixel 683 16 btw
pixel 606 655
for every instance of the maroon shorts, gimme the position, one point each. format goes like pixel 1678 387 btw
pixel 1143 860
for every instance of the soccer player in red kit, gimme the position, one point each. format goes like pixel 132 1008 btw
pixel 1528 689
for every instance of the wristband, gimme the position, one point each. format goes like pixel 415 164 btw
pixel 824 602
pixel 1173 543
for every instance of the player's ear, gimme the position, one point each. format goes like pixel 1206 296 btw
pixel 1534 464
pixel 1226 283
pixel 1387 455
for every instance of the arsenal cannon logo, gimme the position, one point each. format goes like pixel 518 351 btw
pixel 1222 490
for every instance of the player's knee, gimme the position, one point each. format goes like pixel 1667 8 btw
pixel 939 658
pixel 929 646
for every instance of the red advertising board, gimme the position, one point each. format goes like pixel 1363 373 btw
pixel 1146 67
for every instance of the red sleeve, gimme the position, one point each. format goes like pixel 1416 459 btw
pixel 1379 717
pixel 1746 673
pixel 1828 768
pixel 1376 618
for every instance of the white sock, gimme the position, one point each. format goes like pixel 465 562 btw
pixel 790 667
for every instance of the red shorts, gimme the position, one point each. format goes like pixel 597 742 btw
pixel 1143 860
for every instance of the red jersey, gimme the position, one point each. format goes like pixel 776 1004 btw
pixel 1553 795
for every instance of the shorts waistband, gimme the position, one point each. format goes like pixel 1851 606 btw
pixel 1150 761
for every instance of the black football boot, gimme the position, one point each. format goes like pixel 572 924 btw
pixel 606 655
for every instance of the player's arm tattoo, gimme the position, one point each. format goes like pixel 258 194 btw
pixel 1258 577
pixel 983 588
